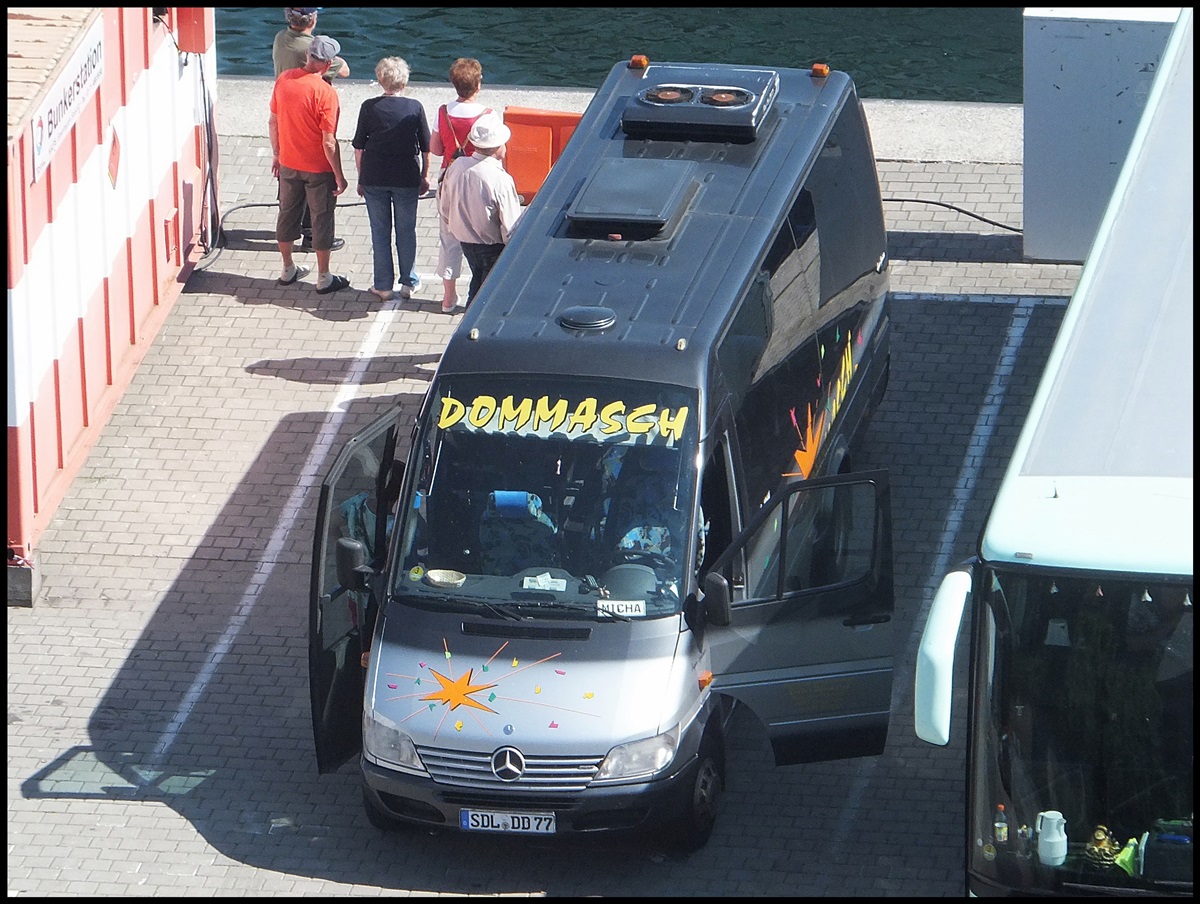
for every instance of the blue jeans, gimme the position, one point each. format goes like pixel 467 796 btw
pixel 391 209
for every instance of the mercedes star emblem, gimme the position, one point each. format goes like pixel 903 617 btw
pixel 508 764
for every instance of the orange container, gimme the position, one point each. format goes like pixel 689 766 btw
pixel 538 138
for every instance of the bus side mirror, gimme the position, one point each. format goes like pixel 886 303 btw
pixel 933 687
pixel 716 599
pixel 352 568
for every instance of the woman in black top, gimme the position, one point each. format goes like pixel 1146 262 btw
pixel 391 152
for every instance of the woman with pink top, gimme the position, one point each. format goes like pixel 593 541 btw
pixel 449 140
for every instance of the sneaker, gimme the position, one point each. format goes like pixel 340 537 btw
pixel 381 294
pixel 290 276
pixel 306 244
pixel 448 305
pixel 407 292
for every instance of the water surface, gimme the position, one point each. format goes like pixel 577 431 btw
pixel 899 53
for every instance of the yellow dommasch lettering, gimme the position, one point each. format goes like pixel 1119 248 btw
pixel 529 414
pixel 545 413
pixel 452 412
pixel 672 427
pixel 516 413
pixel 583 417
pixel 641 419
pixel 483 409
pixel 608 417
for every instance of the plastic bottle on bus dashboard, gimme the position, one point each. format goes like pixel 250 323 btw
pixel 1000 827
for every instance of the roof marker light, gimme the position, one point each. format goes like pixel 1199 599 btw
pixel 639 61
pixel 820 70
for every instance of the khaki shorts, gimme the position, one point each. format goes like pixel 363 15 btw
pixel 297 189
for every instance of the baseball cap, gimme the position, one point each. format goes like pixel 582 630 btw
pixel 489 132
pixel 324 48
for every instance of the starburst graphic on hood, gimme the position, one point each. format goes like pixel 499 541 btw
pixel 457 691
pixel 454 692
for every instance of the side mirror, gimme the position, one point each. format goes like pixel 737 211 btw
pixel 717 599
pixel 352 569
pixel 933 686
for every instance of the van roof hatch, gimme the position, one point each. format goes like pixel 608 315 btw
pixel 631 197
pixel 682 110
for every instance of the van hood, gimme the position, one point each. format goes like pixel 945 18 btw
pixel 551 685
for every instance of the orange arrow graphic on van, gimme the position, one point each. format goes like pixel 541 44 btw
pixel 810 441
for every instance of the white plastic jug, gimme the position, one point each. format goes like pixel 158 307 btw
pixel 1052 837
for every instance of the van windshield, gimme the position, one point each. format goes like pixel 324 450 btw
pixel 557 497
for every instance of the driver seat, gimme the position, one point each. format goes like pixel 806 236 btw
pixel 642 513
pixel 514 533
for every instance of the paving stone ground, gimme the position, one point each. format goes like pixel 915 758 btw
pixel 159 737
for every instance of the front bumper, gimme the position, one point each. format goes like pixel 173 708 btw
pixel 632 807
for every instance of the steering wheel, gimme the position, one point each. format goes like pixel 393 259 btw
pixel 653 558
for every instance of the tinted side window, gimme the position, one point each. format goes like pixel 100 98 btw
pixel 787 386
pixel 741 350
pixel 718 515
pixel 845 191
pixel 818 539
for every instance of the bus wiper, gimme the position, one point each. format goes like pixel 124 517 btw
pixel 500 610
pixel 572 607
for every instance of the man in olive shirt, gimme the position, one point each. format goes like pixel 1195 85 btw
pixel 291 44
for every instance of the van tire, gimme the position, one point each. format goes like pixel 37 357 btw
pixel 379 817
pixel 693 829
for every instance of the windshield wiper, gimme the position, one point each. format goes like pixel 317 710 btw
pixel 499 610
pixel 572 607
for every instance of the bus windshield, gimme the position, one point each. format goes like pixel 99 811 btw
pixel 554 497
pixel 1083 728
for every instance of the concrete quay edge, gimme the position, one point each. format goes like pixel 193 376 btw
pixel 902 130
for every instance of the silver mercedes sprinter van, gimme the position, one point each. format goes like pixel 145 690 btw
pixel 627 505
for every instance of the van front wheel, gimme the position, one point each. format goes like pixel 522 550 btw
pixel 693 829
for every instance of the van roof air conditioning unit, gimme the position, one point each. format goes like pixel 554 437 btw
pixel 686 106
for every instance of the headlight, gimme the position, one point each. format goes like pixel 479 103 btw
pixel 640 758
pixel 387 745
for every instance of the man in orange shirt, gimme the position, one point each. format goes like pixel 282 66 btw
pixel 289 50
pixel 307 161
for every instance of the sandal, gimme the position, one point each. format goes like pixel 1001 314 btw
pixel 449 306
pixel 297 273
pixel 335 284
pixel 381 294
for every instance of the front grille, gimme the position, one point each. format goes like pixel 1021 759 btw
pixel 559 803
pixel 546 774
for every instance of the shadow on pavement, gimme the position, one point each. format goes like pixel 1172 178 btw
pixel 210 712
